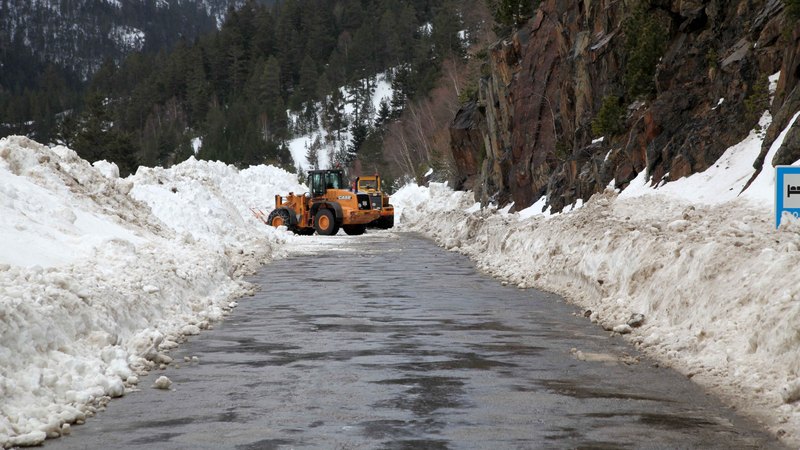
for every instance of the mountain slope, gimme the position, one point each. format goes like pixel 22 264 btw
pixel 80 34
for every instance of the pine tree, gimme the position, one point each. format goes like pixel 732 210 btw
pixel 363 55
pixel 445 33
pixel 335 70
pixel 334 114
pixel 359 133
pixel 215 141
pixel 264 37
pixel 511 14
pixel 391 46
pixel 312 154
pixel 351 16
pixel 645 40
pixel 198 89
pixel 343 156
pixel 96 139
pixel 384 113
pixel 237 55
pixel 400 91
pixel 320 33
pixel 67 130
pixel 307 87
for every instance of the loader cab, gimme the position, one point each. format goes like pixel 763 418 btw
pixel 319 181
pixel 369 184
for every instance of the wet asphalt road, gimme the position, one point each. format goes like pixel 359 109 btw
pixel 387 341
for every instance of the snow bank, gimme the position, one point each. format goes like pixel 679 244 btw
pixel 99 276
pixel 707 269
pixel 214 203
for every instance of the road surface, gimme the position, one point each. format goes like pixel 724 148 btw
pixel 387 341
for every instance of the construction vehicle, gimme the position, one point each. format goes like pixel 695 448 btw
pixel 371 185
pixel 326 208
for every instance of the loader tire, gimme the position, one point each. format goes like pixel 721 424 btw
pixel 385 223
pixel 280 217
pixel 325 223
pixel 354 230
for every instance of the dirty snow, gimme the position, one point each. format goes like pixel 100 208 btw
pixel 714 279
pixel 99 276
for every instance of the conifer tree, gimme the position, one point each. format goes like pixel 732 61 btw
pixel 307 87
pixel 359 132
pixel 236 55
pixel 95 138
pixel 510 14
pixel 264 37
pixel 351 16
pixel 384 113
pixel 320 33
pixel 312 153
pixel 198 89
pixel 445 33
pixel 335 114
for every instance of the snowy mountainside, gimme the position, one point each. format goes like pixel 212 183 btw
pixel 99 276
pixel 81 34
pixel 329 144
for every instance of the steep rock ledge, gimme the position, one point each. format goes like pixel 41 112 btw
pixel 529 133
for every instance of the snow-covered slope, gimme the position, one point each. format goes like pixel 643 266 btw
pixel 99 275
pixel 714 279
pixel 298 147
pixel 81 34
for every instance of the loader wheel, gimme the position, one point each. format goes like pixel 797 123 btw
pixel 325 223
pixel 280 217
pixel 386 222
pixel 354 230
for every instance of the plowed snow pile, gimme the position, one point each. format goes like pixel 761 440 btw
pixel 100 275
pixel 716 282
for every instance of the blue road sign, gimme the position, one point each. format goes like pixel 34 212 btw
pixel 787 192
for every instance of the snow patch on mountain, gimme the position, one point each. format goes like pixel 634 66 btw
pixel 298 147
pixel 128 37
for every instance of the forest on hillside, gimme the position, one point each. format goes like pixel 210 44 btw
pixel 49 48
pixel 235 90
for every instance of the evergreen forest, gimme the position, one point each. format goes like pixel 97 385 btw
pixel 270 73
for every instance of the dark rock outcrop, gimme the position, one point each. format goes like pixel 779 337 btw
pixel 466 133
pixel 785 106
pixel 530 132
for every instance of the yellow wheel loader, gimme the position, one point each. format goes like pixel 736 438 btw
pixel 326 208
pixel 371 185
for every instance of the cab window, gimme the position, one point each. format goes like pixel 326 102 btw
pixel 334 180
pixel 316 182
pixel 366 185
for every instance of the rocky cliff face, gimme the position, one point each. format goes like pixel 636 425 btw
pixel 530 131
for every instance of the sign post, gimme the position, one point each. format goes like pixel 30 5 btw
pixel 787 192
